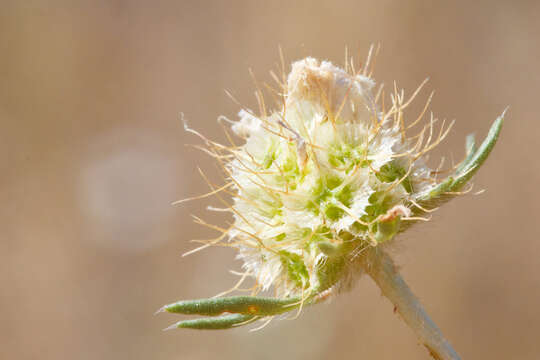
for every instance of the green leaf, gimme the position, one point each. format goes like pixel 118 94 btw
pixel 475 161
pixel 247 305
pixel 466 170
pixel 217 323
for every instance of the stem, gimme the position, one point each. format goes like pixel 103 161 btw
pixel 380 267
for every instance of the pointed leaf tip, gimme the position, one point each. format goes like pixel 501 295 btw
pixel 473 163
pixel 160 310
pixel 171 327
pixel 475 157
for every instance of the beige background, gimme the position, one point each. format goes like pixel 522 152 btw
pixel 92 152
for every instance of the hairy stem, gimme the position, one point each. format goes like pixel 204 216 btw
pixel 380 267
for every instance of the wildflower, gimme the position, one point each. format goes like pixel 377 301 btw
pixel 332 173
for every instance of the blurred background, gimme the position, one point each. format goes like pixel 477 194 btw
pixel 92 153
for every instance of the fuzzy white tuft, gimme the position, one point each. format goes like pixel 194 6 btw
pixel 330 169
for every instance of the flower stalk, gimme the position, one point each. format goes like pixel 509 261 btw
pixel 380 267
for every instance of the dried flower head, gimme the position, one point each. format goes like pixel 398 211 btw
pixel 334 171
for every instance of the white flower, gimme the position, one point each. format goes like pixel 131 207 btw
pixel 326 175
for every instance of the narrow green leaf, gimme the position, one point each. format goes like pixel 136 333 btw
pixel 248 305
pixel 480 155
pixel 215 323
pixel 466 170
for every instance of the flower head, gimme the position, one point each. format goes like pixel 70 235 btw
pixel 330 173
